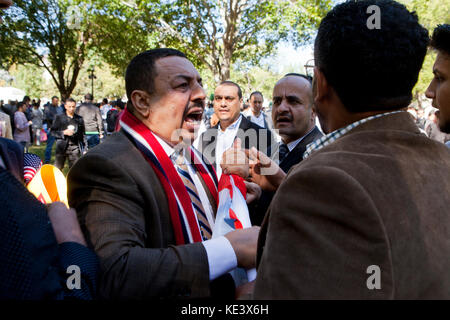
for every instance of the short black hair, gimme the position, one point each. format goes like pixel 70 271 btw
pixel 26 98
pixel 71 100
pixel 441 38
pixel 229 82
pixel 141 71
pixel 88 96
pixel 105 100
pixel 255 92
pixel 293 74
pixel 371 69
pixel 55 97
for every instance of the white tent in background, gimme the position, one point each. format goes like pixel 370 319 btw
pixel 11 93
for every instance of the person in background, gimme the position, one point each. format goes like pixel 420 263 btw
pixel 5 126
pixel 92 120
pixel 37 119
pixel 50 112
pixel 22 126
pixel 105 106
pixel 69 131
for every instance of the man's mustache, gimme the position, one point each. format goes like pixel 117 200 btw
pixel 196 104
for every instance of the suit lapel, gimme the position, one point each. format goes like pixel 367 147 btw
pixel 296 155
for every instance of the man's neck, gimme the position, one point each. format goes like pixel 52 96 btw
pixel 256 114
pixel 70 115
pixel 288 139
pixel 223 125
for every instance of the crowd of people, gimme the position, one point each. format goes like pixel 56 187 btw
pixel 74 127
pixel 341 177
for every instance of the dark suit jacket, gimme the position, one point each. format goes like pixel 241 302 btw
pixel 250 134
pixel 12 155
pixel 259 209
pixel 123 210
pixel 32 265
pixel 379 195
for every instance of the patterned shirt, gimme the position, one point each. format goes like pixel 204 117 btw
pixel 336 134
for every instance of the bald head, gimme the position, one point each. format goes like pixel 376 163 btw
pixel 292 111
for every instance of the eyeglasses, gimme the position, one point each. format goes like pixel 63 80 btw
pixel 309 67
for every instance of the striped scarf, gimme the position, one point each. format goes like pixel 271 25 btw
pixel 182 215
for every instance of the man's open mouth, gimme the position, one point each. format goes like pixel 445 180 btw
pixel 194 114
pixel 284 119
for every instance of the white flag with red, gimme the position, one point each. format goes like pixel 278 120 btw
pixel 232 214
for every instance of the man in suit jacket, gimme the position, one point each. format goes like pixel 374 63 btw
pixel 232 124
pixel 294 118
pixel 362 216
pixel 126 191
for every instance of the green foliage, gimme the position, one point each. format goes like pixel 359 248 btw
pixel 51 34
pixel 214 34
pixel 29 78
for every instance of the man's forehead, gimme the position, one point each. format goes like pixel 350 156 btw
pixel 442 63
pixel 257 96
pixel 226 89
pixel 174 66
pixel 292 85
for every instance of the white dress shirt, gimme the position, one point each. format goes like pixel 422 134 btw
pixel 220 253
pixel 225 140
pixel 259 120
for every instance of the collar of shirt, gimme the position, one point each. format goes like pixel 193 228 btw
pixel 173 154
pixel 167 148
pixel 232 126
pixel 291 145
pixel 333 136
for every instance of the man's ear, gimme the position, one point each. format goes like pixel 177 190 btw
pixel 141 103
pixel 320 86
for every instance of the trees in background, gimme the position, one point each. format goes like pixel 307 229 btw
pixel 431 13
pixel 214 34
pixel 51 34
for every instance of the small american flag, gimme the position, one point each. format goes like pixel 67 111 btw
pixel 31 165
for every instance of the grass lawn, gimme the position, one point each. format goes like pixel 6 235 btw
pixel 40 151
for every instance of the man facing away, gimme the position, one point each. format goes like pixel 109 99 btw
pixel 92 120
pixel 362 216
pixel 145 207
pixel 50 112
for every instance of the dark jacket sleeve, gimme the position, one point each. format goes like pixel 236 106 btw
pixel 86 263
pixel 57 128
pixel 32 265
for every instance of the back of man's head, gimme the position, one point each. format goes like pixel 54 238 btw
pixel 88 97
pixel 371 69
pixel 141 71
